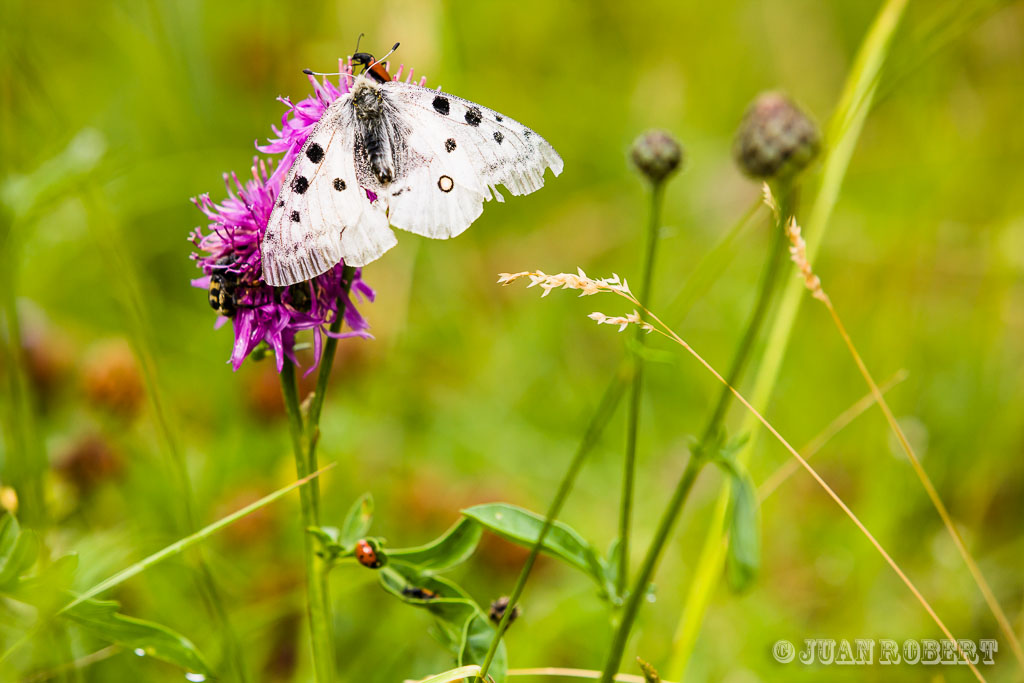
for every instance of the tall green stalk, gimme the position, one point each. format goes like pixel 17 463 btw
pixel 317 603
pixel 700 454
pixel 841 139
pixel 636 392
pixel 305 435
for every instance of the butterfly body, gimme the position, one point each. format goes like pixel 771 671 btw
pixel 381 141
pixel 429 159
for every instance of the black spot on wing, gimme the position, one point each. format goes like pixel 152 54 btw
pixel 339 184
pixel 296 217
pixel 315 153
pixel 300 184
pixel 445 183
pixel 441 105
pixel 474 116
pixel 449 144
pixel 498 137
pixel 280 202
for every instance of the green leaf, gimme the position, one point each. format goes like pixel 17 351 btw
pixel 357 521
pixel 328 535
pixel 743 558
pixel 101 618
pixel 523 527
pixel 475 643
pixel 612 572
pixel 731 447
pixel 20 549
pixel 9 531
pixel 452 607
pixel 454 547
pixel 463 627
pixel 330 548
pixel 46 590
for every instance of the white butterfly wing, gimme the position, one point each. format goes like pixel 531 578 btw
pixel 322 214
pixel 458 152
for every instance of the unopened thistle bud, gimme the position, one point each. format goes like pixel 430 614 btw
pixel 775 139
pixel 657 154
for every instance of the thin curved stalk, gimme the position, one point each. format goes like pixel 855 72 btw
pixel 636 391
pixel 699 457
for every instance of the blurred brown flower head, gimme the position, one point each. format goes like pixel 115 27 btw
pixel 111 378
pixel 89 461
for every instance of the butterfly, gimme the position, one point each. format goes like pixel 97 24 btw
pixel 430 159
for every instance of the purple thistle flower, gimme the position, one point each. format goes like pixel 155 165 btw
pixel 230 255
pixel 230 250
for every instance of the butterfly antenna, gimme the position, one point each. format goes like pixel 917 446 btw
pixel 395 47
pixel 310 72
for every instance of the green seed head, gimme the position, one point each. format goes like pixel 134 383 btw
pixel 775 140
pixel 657 154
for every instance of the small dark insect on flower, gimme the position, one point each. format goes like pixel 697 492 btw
pixel 657 154
pixel 776 139
pixel 299 297
pixel 497 611
pixel 223 285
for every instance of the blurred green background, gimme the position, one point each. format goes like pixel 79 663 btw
pixel 115 113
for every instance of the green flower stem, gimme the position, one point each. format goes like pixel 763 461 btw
pixel 784 195
pixel 318 608
pixel 590 437
pixel 841 137
pixel 316 402
pixel 700 455
pixel 305 432
pixel 636 392
pixel 315 407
